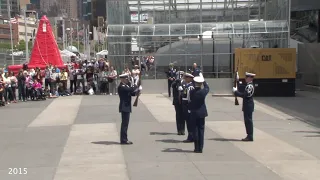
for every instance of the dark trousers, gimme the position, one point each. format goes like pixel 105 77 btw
pixel 14 93
pixel 64 84
pixel 22 92
pixel 248 123
pixel 82 84
pixel 103 86
pixel 53 87
pixel 46 83
pixel 125 117
pixel 39 92
pixel 1 97
pixel 198 133
pixel 179 118
pixel 187 119
pixel 169 87
pixel 73 85
pixel 8 94
pixel 28 92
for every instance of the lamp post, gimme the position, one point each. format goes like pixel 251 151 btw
pixel 10 25
pixel 78 41
pixel 68 31
pixel 71 32
pixel 63 33
pixel 26 34
pixel 89 44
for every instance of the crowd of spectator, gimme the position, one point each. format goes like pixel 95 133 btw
pixel 77 78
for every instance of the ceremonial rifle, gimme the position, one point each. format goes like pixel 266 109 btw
pixel 135 104
pixel 236 102
pixel 179 77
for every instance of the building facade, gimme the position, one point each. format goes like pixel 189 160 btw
pixel 184 32
pixel 15 8
pixel 31 28
pixel 86 10
pixel 5 32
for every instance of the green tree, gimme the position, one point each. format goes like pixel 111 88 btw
pixel 5 45
pixel 22 45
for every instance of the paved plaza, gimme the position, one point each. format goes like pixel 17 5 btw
pixel 76 138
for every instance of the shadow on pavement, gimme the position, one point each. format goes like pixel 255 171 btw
pixel 162 133
pixel 105 142
pixel 224 139
pixel 176 150
pixel 169 141
pixel 310 132
pixel 304 107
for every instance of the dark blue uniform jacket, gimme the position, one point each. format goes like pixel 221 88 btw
pixel 176 94
pixel 196 72
pixel 247 96
pixel 125 93
pixel 171 74
pixel 197 104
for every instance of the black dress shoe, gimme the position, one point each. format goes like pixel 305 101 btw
pixel 127 143
pixel 197 151
pixel 187 141
pixel 247 139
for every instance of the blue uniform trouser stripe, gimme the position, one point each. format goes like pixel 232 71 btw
pixel 248 123
pixel 125 116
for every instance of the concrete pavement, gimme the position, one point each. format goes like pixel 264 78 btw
pixel 76 138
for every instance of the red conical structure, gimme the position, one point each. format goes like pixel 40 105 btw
pixel 45 50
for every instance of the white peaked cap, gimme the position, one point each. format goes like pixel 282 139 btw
pixel 198 79
pixel 188 75
pixel 125 75
pixel 250 74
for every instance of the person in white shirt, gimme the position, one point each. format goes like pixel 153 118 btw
pixel 53 81
pixel 80 77
pixel 112 79
pixel 135 73
pixel 8 91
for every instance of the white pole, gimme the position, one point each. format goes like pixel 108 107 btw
pixel 26 35
pixel 10 24
pixel 78 36
pixel 63 34
pixel 88 42
pixel 71 32
pixel 84 35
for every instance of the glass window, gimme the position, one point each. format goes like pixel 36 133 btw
pixel 257 27
pixel 161 30
pixel 179 29
pixel 193 29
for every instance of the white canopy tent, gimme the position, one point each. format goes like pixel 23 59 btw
pixel 102 54
pixel 66 55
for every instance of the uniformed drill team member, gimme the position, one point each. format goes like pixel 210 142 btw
pixel 126 90
pixel 195 71
pixel 248 104
pixel 171 75
pixel 198 109
pixel 177 102
pixel 187 86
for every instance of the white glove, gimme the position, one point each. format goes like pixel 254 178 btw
pixel 140 88
pixel 234 89
pixel 237 76
pixel 180 88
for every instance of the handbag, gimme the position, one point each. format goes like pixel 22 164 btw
pixel 110 80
